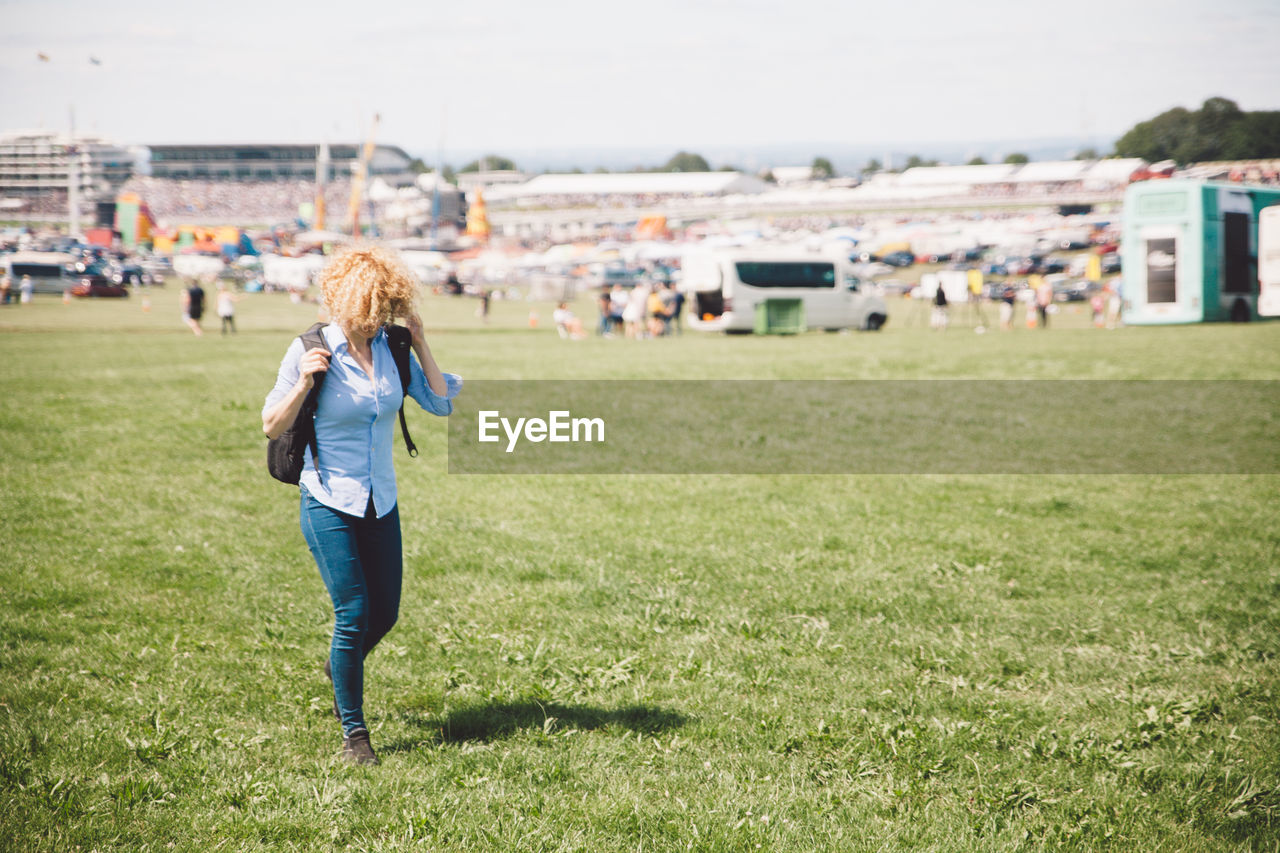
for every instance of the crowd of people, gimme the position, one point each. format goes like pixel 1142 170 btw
pixel 21 293
pixel 1105 304
pixel 648 310
pixel 261 201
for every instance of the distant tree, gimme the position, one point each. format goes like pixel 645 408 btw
pixel 1219 130
pixel 822 169
pixel 1087 154
pixel 600 170
pixel 490 163
pixel 767 176
pixel 1213 123
pixel 916 160
pixel 873 166
pixel 727 167
pixel 1158 138
pixel 418 167
pixel 449 175
pixel 1017 159
pixel 1255 137
pixel 685 161
pixel 977 161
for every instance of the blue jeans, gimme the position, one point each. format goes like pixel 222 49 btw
pixel 361 564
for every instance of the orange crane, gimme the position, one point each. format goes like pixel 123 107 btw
pixel 359 175
pixel 322 180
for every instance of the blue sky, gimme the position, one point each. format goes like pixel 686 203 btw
pixel 507 75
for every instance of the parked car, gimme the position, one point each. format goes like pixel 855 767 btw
pixel 1053 264
pixel 158 268
pixel 899 259
pixel 1111 262
pixel 871 270
pixel 894 287
pixel 1019 266
pixel 94 280
pixel 1070 291
pixel 131 274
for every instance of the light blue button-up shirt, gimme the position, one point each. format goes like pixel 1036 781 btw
pixel 354 421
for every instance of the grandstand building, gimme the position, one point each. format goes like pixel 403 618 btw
pixel 35 164
pixel 271 162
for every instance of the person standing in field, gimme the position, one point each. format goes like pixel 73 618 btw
pixel 1115 301
pixel 674 320
pixel 227 308
pixel 26 288
pixel 633 314
pixel 1008 297
pixel 940 317
pixel 655 312
pixel 1096 308
pixel 618 299
pixel 193 307
pixel 605 306
pixel 349 511
pixel 1044 298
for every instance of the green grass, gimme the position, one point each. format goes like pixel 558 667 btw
pixel 623 663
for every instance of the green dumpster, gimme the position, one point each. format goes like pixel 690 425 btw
pixel 779 317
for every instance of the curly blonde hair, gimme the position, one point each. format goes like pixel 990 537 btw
pixel 365 287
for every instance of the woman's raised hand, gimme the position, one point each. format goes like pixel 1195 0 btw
pixel 414 324
pixel 313 361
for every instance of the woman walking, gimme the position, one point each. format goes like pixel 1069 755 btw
pixel 349 514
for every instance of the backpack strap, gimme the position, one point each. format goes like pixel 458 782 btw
pixel 400 340
pixel 311 339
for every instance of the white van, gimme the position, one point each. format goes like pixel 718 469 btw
pixel 723 288
pixel 48 271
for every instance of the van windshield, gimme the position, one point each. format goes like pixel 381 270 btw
pixel 36 270
pixel 787 273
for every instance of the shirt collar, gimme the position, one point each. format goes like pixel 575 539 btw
pixel 336 338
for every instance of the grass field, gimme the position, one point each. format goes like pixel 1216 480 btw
pixel 646 663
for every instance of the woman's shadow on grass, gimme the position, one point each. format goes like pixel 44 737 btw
pixel 495 720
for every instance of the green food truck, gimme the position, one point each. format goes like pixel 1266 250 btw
pixel 1190 251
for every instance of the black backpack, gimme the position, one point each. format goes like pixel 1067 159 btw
pixel 285 452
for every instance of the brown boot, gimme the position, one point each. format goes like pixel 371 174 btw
pixel 356 748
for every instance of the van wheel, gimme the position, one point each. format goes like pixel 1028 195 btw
pixel 1240 312
pixel 874 322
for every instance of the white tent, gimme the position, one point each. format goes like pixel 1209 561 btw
pixel 1051 171
pixel 1106 174
pixel 633 183
pixel 291 273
